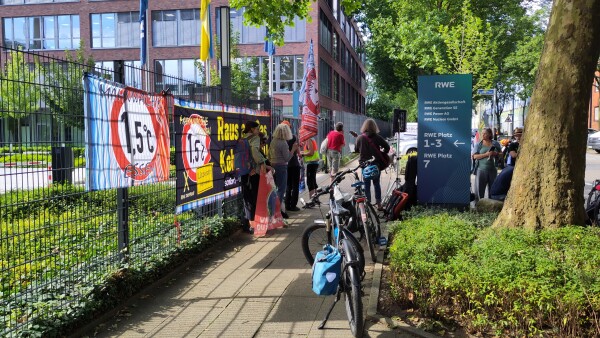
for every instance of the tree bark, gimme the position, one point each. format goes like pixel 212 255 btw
pixel 547 189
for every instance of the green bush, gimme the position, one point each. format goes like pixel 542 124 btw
pixel 507 282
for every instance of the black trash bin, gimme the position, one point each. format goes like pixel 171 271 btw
pixel 62 165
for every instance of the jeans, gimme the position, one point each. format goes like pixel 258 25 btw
pixel 281 172
pixel 377 185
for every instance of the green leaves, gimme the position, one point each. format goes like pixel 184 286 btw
pixel 498 280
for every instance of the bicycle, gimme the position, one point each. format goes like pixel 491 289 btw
pixel 352 265
pixel 335 224
pixel 313 238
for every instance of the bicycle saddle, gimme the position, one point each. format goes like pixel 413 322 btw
pixel 339 210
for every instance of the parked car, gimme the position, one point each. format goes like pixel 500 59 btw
pixel 407 146
pixel 594 141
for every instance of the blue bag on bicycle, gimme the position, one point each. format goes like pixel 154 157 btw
pixel 326 271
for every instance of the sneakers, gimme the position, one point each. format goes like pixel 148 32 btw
pixel 284 215
pixel 248 231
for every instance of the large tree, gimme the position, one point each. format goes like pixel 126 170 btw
pixel 548 183
pixel 18 95
pixel 63 90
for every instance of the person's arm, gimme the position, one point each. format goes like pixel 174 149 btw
pixel 357 144
pixel 476 155
pixel 383 144
pixel 257 156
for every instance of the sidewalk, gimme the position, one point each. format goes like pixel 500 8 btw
pixel 248 288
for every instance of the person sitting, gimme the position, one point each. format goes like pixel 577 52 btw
pixel 502 184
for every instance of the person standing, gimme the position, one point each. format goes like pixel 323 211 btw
pixel 311 158
pixel 369 145
pixel 485 153
pixel 251 180
pixel 293 175
pixel 280 155
pixel 335 142
pixel 513 147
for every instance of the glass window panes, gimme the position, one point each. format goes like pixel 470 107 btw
pixel 41 32
pixel 176 27
pixel 115 30
pixel 169 72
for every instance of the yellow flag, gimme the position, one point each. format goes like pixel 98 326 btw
pixel 204 29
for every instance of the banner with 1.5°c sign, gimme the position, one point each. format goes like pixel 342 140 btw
pixel 127 135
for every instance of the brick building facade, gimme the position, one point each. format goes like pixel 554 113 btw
pixel 110 31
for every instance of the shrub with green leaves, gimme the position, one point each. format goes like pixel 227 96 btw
pixel 507 282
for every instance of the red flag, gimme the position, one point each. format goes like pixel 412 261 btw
pixel 309 98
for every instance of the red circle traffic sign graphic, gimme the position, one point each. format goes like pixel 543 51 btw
pixel 195 145
pixel 133 135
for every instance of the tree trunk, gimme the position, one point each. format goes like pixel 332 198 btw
pixel 548 183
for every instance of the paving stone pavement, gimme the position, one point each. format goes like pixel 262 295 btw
pixel 248 287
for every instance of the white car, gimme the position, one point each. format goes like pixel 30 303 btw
pixel 594 141
pixel 406 146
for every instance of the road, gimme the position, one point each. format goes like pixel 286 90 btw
pixel 13 178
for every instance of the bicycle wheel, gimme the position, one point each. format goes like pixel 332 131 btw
pixel 364 220
pixel 354 306
pixel 313 239
pixel 375 222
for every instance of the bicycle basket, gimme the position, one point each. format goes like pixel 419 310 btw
pixel 326 271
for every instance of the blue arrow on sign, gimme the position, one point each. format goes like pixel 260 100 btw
pixel 485 91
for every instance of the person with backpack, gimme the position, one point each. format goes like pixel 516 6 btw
pixel 369 145
pixel 249 171
pixel 280 155
pixel 485 154
pixel 311 158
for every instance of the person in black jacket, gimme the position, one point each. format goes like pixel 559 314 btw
pixel 370 145
pixel 293 178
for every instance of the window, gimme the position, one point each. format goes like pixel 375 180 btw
pixel 324 78
pixel 288 71
pixel 42 32
pixel 251 34
pixel 336 47
pixel 325 30
pixel 342 91
pixel 336 85
pixel 120 30
pixel 176 28
pixel 169 72
pixel 133 74
pixel 596 114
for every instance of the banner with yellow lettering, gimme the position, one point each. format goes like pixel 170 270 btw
pixel 205 138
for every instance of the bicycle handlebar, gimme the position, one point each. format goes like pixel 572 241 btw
pixel 338 178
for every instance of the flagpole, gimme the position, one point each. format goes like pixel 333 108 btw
pixel 271 75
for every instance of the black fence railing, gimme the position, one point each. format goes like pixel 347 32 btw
pixel 58 242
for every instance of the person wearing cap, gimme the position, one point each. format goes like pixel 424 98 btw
pixel 293 176
pixel 335 142
pixel 513 147
pixel 250 181
pixel 280 155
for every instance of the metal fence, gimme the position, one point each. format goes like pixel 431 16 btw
pixel 59 243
